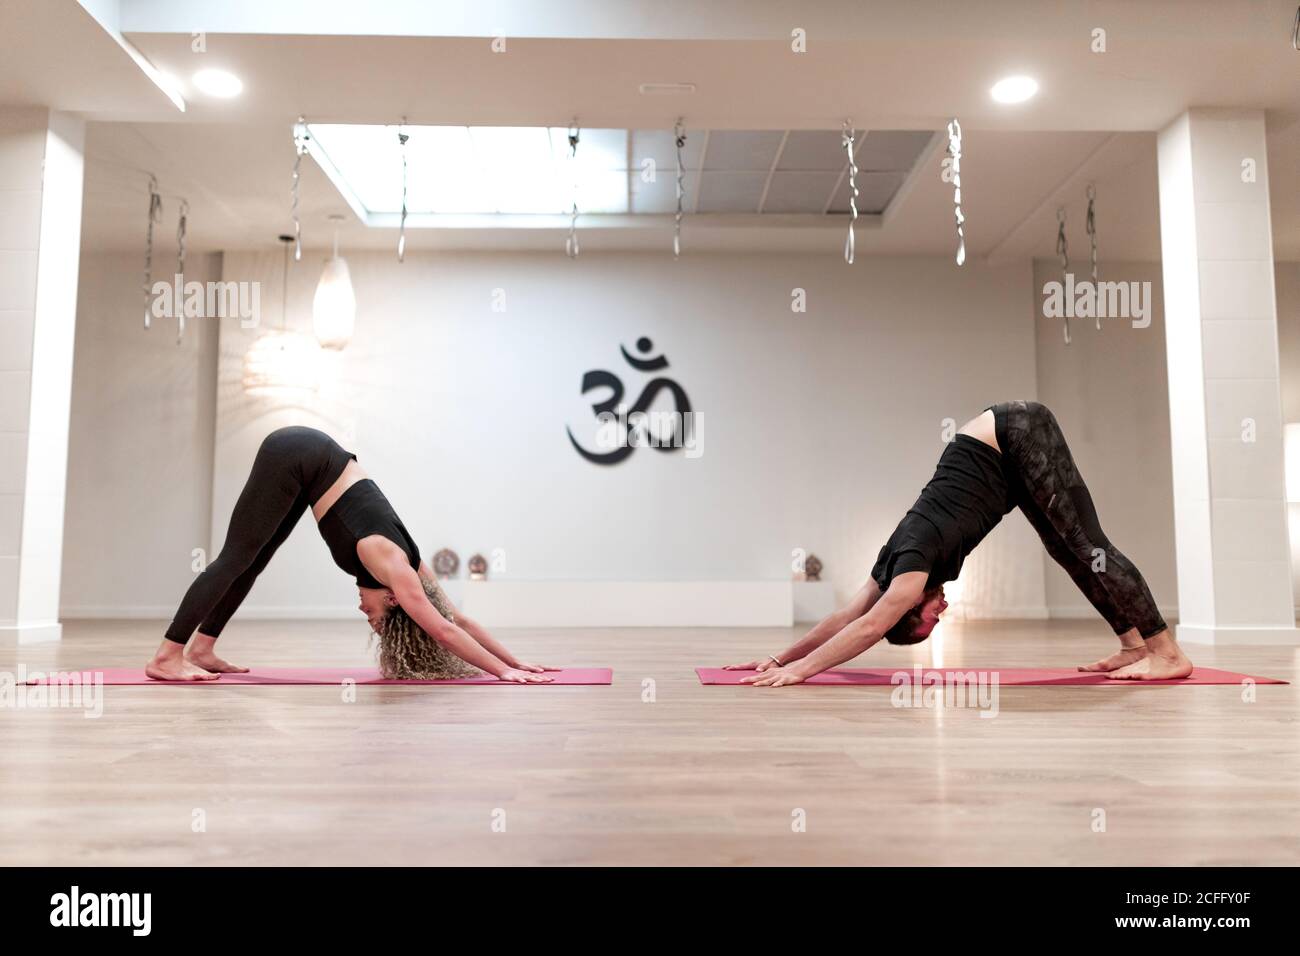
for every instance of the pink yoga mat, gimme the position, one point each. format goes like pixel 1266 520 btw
pixel 1007 676
pixel 331 675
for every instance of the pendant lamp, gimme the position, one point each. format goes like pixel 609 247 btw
pixel 283 362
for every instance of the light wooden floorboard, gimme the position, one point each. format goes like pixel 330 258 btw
pixel 703 775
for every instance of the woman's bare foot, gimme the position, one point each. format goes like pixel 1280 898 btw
pixel 180 670
pixel 1164 660
pixel 201 651
pixel 170 664
pixel 212 663
pixel 1121 658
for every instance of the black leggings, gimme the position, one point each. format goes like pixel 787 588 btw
pixel 1051 493
pixel 293 468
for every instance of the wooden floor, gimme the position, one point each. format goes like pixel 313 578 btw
pixel 701 775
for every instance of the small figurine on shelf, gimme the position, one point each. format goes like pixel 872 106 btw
pixel 478 568
pixel 446 563
pixel 813 568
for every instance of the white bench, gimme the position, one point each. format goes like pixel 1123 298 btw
pixel 507 603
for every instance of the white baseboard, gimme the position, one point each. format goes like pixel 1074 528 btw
pixel 505 603
pixel 1031 612
pixel 629 603
pixel 116 612
pixel 1238 636
pixel 812 600
pixel 248 612
pixel 499 591
pixel 1087 613
pixel 41 632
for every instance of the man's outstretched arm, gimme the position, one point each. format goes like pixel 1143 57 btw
pixel 825 629
pixel 854 638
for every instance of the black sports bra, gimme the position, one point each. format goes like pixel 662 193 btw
pixel 361 511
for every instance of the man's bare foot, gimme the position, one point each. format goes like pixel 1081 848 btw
pixel 176 668
pixel 1156 666
pixel 1121 658
pixel 213 664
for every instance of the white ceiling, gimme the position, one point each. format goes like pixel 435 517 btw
pixel 478 172
pixel 887 65
pixel 53 53
pixel 237 180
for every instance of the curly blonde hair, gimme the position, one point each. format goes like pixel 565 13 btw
pixel 407 652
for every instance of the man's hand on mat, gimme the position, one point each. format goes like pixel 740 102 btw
pixel 517 676
pixel 534 668
pixel 765 664
pixel 775 677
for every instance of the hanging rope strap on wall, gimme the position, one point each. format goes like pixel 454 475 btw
pixel 1063 250
pixel 402 137
pixel 848 137
pixel 679 138
pixel 182 225
pixel 1090 222
pixel 155 217
pixel 954 152
pixel 571 243
pixel 300 140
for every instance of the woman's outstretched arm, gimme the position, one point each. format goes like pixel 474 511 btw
pixel 825 629
pixel 389 565
pixel 476 630
pixel 409 591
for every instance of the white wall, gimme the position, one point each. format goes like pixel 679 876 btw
pixel 1109 390
pixel 41 179
pixel 141 461
pixel 820 428
pixel 1286 276
pixel 140 448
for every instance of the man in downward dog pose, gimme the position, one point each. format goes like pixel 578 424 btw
pixel 420 636
pixel 1013 455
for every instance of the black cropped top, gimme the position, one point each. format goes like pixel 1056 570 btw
pixel 361 511
pixel 965 499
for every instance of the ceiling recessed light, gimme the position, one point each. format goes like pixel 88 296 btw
pixel 1014 89
pixel 218 83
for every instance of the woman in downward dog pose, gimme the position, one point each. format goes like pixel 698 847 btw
pixel 1013 455
pixel 420 636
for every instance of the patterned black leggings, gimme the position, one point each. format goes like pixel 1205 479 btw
pixel 1051 493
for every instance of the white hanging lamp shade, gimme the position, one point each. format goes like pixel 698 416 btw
pixel 282 363
pixel 334 310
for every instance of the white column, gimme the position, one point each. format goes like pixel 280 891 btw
pixel 1225 410
pixel 40 239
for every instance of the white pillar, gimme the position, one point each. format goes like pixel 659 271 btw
pixel 40 240
pixel 1225 409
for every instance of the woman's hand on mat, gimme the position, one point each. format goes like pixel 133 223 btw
pixel 775 677
pixel 516 676
pixel 533 668
pixel 765 664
